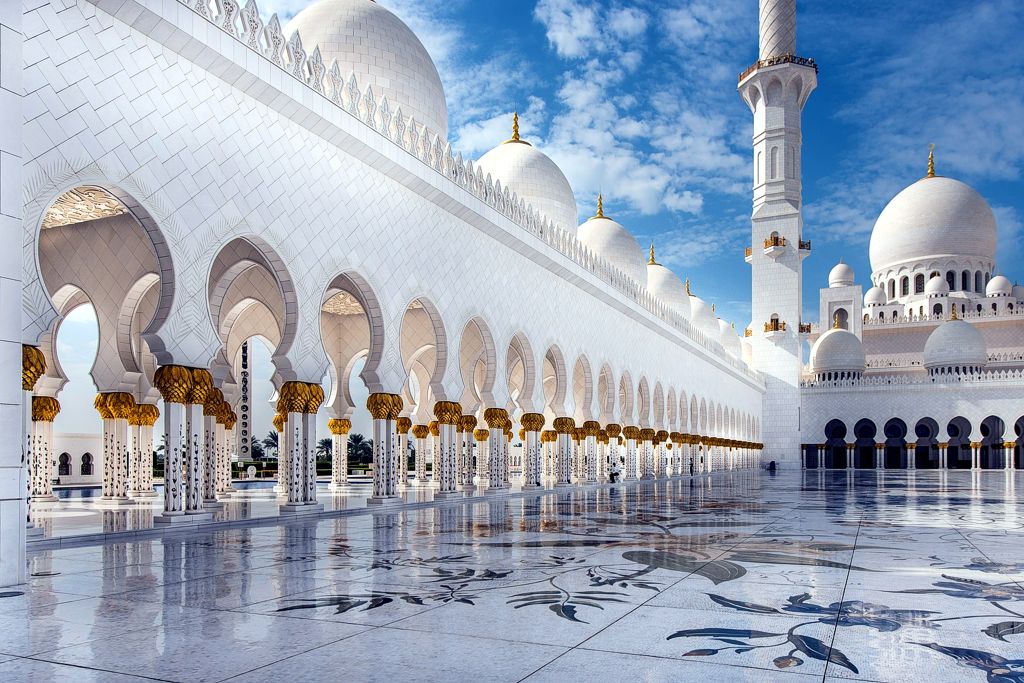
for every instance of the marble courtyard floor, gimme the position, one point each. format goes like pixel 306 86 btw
pixel 739 576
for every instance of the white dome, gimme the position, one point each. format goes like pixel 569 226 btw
pixel 875 297
pixel 613 242
pixel 937 286
pixel 728 337
pixel 369 40
pixel 841 275
pixel 955 343
pixel 933 217
pixel 1018 292
pixel 535 178
pixel 703 317
pixel 664 284
pixel 837 351
pixel 999 286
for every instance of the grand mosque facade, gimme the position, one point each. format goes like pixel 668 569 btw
pixel 200 175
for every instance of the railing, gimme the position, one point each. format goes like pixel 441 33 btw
pixel 775 326
pixel 774 241
pixel 781 59
pixel 985 314
pixel 805 328
pixel 748 333
pixel 805 245
pixel 748 252
pixel 307 67
pixel 983 377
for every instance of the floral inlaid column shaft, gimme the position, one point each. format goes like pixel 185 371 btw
pixel 632 434
pixel 143 418
pixel 590 433
pixel 420 433
pixel 384 409
pixel 403 425
pixel 446 463
pixel 340 427
pixel 44 410
pixel 467 423
pixel 495 419
pixel 202 386
pixel 174 383
pixel 564 428
pixel 532 425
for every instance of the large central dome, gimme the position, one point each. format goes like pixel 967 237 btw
pixel 935 216
pixel 382 51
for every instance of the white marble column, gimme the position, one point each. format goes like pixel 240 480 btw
pixel 647 453
pixel 144 417
pixel 384 409
pixel 420 433
pixel 210 450
pixel 1008 448
pixel 435 442
pixel 975 455
pixel 533 464
pixel 481 436
pixel 44 410
pixel 589 445
pixel 202 385
pixel 943 456
pixel 564 427
pixel 340 428
pixel 467 425
pixel 446 464
pixel 402 426
pixel 174 383
pixel 495 419
pixel 632 435
pixel 911 455
pixel 281 485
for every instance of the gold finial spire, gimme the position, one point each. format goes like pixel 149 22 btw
pixel 651 261
pixel 952 312
pixel 600 206
pixel 835 322
pixel 712 307
pixel 515 126
pixel 688 292
pixel 931 161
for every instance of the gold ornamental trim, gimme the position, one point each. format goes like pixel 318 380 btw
pixel 631 433
pixel 212 406
pixel 532 422
pixel 384 406
pixel 564 425
pixel 173 382
pixel 496 418
pixel 202 385
pixel 44 408
pixel 404 424
pixel 293 397
pixel 435 428
pixel 144 415
pixel 278 422
pixel 481 435
pixel 467 423
pixel 420 431
pixel 339 425
pixel 316 398
pixel 448 412
pixel 613 430
pixel 33 365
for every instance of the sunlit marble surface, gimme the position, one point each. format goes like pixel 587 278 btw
pixel 741 576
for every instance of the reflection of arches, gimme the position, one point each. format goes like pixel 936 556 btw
pixel 1018 429
pixel 926 455
pixel 991 455
pixel 835 444
pixel 64 465
pixel 958 454
pixel 895 431
pixel 86 465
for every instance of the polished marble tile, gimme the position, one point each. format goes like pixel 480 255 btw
pixel 35 671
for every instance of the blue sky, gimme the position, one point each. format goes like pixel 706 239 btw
pixel 638 100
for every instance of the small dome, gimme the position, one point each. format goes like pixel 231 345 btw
pixel 611 241
pixel 727 335
pixel 367 39
pixel 999 286
pixel 837 351
pixel 934 217
pixel 840 276
pixel 937 286
pixel 703 317
pixel 875 297
pixel 534 177
pixel 665 285
pixel 1018 292
pixel 955 343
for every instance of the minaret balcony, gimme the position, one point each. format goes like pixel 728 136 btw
pixel 748 254
pixel 805 248
pixel 774 246
pixel 775 328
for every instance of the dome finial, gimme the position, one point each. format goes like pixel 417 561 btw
pixel 688 292
pixel 515 126
pixel 931 161
pixel 600 206
pixel 650 260
pixel 712 307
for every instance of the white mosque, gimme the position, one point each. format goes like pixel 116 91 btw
pixel 201 176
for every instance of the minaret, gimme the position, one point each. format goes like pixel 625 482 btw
pixel 776 87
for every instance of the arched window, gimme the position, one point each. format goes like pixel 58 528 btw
pixel 87 465
pixel 774 162
pixel 919 283
pixel 842 317
pixel 64 465
pixel 965 281
pixel 979 308
pixel 951 280
pixel 757 168
pixel 979 287
pixel 894 315
pixel 905 286
pixel 892 289
pixel 937 310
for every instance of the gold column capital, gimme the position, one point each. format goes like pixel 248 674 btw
pixel 339 425
pixel 467 423
pixel 278 422
pixel 532 422
pixel 33 365
pixel 481 435
pixel 202 385
pixel 591 428
pixel 293 397
pixel 404 424
pixel 631 433
pixel 564 425
pixel 44 408
pixel 174 382
pixel 435 428
pixel 647 434
pixel 447 412
pixel 420 431
pixel 613 430
pixel 496 418
pixel 384 406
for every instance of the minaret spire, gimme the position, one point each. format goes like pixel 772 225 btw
pixel 651 261
pixel 931 161
pixel 600 206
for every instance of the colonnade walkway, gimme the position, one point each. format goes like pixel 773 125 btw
pixel 738 575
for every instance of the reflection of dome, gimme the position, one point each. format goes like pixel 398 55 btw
pixel 999 286
pixel 955 344
pixel 937 286
pixel 837 351
pixel 383 52
pixel 703 317
pixel 534 177
pixel 935 216
pixel 875 297
pixel 613 242
pixel 840 276
pixel 665 285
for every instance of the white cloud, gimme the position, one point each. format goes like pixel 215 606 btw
pixel 571 26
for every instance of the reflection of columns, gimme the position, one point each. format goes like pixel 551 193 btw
pixel 677 454
pixel 564 428
pixel 435 438
pixel 496 419
pixel 911 456
pixel 532 425
pixel 1008 462
pixel 613 431
pixel 446 463
pixel 384 409
pixel 975 455
pixel 659 454
pixel 340 427
pixel 403 424
pixel 647 450
pixel 879 463
pixel 467 423
pixel 631 434
pixel 174 383
pixel 282 455
pixel 943 455
pixel 851 450
pixel 143 418
pixel 44 410
pixel 420 433
pixel 202 385
pixel 481 435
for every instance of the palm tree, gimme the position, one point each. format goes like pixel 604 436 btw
pixel 360 449
pixel 256 448
pixel 324 448
pixel 270 442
